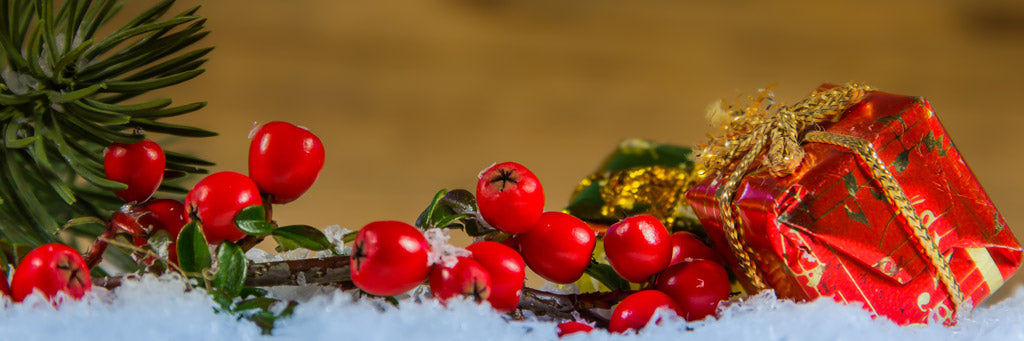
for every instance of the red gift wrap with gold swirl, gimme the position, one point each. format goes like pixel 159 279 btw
pixel 827 230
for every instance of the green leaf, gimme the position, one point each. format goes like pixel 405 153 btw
pixel 252 292
pixel 96 114
pixel 253 221
pixel 186 159
pixel 449 209
pixel 98 16
pixel 131 109
pixel 122 34
pixel 301 236
pixel 426 218
pixel 151 84
pixel 476 227
pixel 11 139
pixel 173 129
pixel 261 303
pixel 231 268
pixel 607 276
pixel 193 250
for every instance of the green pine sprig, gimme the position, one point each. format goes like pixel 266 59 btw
pixel 65 96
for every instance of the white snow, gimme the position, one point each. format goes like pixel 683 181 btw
pixel 159 309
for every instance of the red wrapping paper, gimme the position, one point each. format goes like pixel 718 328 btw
pixel 828 231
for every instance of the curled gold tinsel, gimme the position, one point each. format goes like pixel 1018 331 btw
pixel 754 125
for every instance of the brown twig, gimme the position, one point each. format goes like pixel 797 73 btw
pixel 334 271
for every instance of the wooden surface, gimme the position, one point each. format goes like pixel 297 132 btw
pixel 413 96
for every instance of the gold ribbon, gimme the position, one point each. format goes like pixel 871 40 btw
pixel 750 129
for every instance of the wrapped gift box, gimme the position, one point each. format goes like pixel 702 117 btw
pixel 829 229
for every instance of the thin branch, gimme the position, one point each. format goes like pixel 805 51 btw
pixel 334 271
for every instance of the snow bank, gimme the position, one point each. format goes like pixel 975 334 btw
pixel 159 309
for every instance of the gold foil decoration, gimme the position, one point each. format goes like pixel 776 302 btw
pixel 657 190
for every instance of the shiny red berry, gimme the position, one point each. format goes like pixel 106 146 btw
pixel 466 278
pixel 510 197
pixel 285 160
pixel 573 327
pixel 389 258
pixel 51 268
pixel 507 270
pixel 685 245
pixel 697 285
pixel 637 309
pixel 216 200
pixel 559 247
pixel 167 215
pixel 139 165
pixel 638 247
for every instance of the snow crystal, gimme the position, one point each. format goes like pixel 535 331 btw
pixel 159 308
pixel 335 235
pixel 441 252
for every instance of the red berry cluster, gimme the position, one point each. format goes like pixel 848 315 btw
pixel 391 257
pixel 284 161
pixel 687 275
pixel 556 245
pixel 680 273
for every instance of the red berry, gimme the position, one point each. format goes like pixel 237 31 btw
pixel 637 309
pixel 467 278
pixel 685 245
pixel 510 197
pixel 572 327
pixel 139 165
pixel 217 199
pixel 4 288
pixel 559 247
pixel 168 215
pixel 285 160
pixel 389 258
pixel 696 285
pixel 508 273
pixel 638 247
pixel 51 268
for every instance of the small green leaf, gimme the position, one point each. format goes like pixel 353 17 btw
pixel 186 159
pixel 285 244
pixel 150 84
pixel 64 97
pixel 173 129
pixel 252 292
pixel 261 303
pixel 476 227
pixel 301 236
pixel 425 219
pixel 193 250
pixel 606 275
pixel 449 209
pixel 132 109
pixel 253 221
pixel 231 268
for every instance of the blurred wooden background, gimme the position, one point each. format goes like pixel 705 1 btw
pixel 413 96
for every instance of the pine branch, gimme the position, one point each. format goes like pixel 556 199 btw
pixel 62 101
